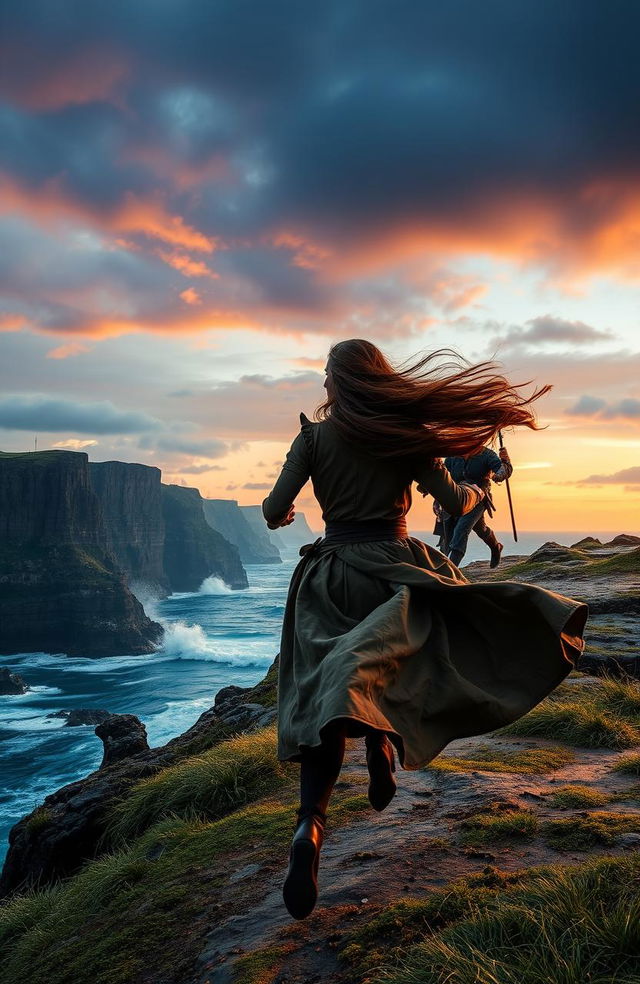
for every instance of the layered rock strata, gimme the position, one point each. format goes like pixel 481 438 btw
pixel 193 551
pixel 131 500
pixel 229 519
pixel 60 586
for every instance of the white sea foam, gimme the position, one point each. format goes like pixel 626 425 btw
pixel 30 694
pixel 214 586
pixel 184 641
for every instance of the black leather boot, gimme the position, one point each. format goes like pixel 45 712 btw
pixel 456 556
pixel 381 764
pixel 496 550
pixel 300 889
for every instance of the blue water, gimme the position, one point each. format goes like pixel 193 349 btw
pixel 212 638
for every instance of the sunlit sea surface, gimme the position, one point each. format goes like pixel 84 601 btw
pixel 213 638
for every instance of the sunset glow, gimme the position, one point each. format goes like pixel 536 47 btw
pixel 186 228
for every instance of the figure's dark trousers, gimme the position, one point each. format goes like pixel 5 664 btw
pixel 458 529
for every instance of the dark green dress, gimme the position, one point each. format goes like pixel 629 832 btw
pixel 389 633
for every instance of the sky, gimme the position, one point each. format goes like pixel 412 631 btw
pixel 198 197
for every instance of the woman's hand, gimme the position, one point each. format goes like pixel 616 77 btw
pixel 287 521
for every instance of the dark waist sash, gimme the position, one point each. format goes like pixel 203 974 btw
pixel 352 531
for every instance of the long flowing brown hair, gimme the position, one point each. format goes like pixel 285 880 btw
pixel 434 406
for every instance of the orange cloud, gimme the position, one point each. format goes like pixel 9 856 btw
pixel 306 253
pixel 135 215
pixel 68 350
pixel 84 76
pixel 12 322
pixel 191 296
pixel 186 265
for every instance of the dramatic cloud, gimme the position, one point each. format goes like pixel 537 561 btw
pixel 277 152
pixel 546 330
pixel 49 415
pixel 628 476
pixel 207 448
pixel 593 406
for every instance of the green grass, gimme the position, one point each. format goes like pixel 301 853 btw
pixel 582 833
pixel 577 796
pixel 484 828
pixel 619 564
pixel 208 785
pixel 259 966
pixel 39 819
pixel 142 914
pixel 605 714
pixel 388 935
pixel 493 758
pixel 562 926
pixel 629 765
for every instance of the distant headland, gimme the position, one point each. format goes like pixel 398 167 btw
pixel 80 541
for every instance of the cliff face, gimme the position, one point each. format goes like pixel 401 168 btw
pixel 193 550
pixel 60 587
pixel 287 537
pixel 131 500
pixel 298 533
pixel 225 516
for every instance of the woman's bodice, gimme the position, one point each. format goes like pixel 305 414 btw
pixel 353 486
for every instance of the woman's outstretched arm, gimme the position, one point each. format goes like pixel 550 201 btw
pixel 295 473
pixel 456 499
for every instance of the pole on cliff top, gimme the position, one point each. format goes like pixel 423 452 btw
pixel 513 519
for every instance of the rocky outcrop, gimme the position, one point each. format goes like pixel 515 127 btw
pixel 79 716
pixel 122 736
pixel 226 516
pixel 11 684
pixel 193 551
pixel 131 500
pixel 604 575
pixel 60 587
pixel 67 829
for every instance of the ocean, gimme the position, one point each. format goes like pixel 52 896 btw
pixel 213 637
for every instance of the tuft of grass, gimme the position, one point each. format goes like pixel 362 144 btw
pixel 629 765
pixel 582 833
pixel 118 920
pixel 388 934
pixel 619 696
pixel 486 828
pixel 208 785
pixel 577 796
pixel 564 926
pixel 577 722
pixel 492 758
pixel 259 966
pixel 39 819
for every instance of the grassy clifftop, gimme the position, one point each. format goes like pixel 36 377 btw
pixel 513 858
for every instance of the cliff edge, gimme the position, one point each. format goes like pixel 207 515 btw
pixel 62 590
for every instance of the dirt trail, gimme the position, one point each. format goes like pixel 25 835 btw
pixel 407 851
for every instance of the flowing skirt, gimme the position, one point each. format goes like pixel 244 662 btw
pixel 391 635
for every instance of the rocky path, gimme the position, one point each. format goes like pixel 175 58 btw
pixel 408 851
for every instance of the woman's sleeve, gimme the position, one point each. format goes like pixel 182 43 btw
pixel 456 499
pixel 295 473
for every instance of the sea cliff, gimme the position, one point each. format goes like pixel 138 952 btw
pixel 226 516
pixel 131 500
pixel 512 857
pixel 193 551
pixel 62 590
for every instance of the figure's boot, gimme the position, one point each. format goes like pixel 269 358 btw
pixel 381 764
pixel 456 556
pixel 300 889
pixel 496 550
